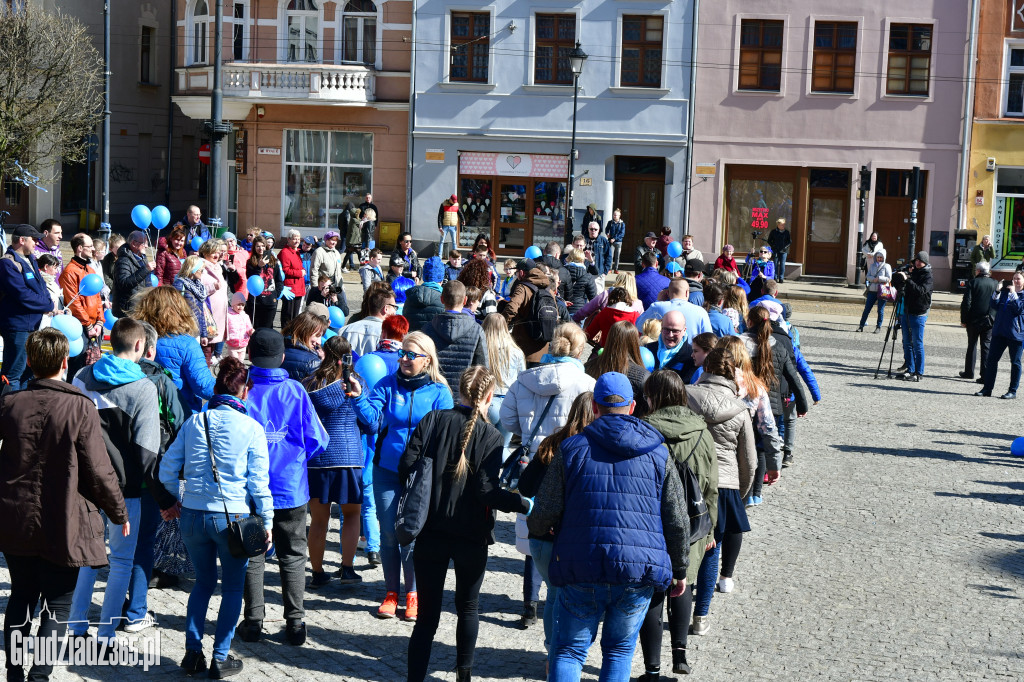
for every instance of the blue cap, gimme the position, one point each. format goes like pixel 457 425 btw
pixel 613 384
pixel 433 270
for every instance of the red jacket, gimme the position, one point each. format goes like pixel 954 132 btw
pixel 168 265
pixel 729 264
pixel 604 320
pixel 294 273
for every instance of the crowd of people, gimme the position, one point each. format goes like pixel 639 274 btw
pixel 630 421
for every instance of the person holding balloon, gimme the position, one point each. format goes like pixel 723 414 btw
pixel 239 328
pixel 261 268
pixel 82 289
pixel 170 255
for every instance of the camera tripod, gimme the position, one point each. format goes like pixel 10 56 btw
pixel 892 332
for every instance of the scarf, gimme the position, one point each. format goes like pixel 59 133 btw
pixel 193 287
pixel 665 355
pixel 549 359
pixel 412 383
pixel 231 401
pixel 389 345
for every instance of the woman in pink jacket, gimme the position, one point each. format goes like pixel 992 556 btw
pixel 212 277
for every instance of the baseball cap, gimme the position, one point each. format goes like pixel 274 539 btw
pixel 397 260
pixel 650 235
pixel 609 385
pixel 526 264
pixel 331 234
pixel 266 348
pixel 26 231
pixel 318 309
pixel 309 240
pixel 693 266
pixel 455 197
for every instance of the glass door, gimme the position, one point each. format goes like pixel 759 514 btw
pixel 513 220
pixel 826 243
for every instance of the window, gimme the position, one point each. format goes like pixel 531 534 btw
pixel 835 56
pixel 641 51
pixel 761 55
pixel 239 32
pixel 359 32
pixel 555 40
pixel 147 69
pixel 471 44
pixel 910 59
pixel 303 31
pixel 200 25
pixel 324 171
pixel 1015 81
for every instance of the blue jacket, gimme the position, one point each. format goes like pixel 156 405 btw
pixel 615 230
pixel 338 414
pixel 182 356
pixel 240 450
pixel 649 283
pixel 393 409
pixel 602 249
pixel 299 361
pixel 1009 316
pixel 806 373
pixel 23 294
pixel 611 528
pixel 721 324
pixel 294 433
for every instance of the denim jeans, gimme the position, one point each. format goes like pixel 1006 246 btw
pixel 494 417
pixel 449 232
pixel 707 578
pixel 616 253
pixel 779 257
pixel 122 558
pixel 368 514
pixel 913 342
pixel 206 537
pixel 541 551
pixel 396 560
pixel 142 569
pixel 1000 344
pixel 581 608
pixel 16 359
pixel 872 298
pixel 789 435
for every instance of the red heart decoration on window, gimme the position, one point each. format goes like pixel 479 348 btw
pixel 513 161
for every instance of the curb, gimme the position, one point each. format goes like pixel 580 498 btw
pixel 826 298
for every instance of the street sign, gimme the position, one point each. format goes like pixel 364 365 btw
pixel 204 154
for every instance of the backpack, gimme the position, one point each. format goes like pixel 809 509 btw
pixel 696 506
pixel 544 314
pixel 414 503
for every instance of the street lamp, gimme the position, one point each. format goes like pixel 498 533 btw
pixel 576 59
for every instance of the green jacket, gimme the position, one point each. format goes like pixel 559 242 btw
pixel 686 432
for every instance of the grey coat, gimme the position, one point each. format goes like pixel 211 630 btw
pixel 714 398
pixel 460 344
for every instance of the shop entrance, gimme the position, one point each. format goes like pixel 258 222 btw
pixel 640 193
pixel 828 213
pixel 893 199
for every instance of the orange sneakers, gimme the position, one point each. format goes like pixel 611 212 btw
pixel 389 605
pixel 412 606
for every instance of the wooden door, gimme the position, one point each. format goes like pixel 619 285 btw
pixel 642 201
pixel 828 215
pixel 515 205
pixel 14 200
pixel 892 212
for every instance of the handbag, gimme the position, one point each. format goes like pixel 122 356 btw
pixel 246 538
pixel 211 324
pixel 887 292
pixel 93 351
pixel 414 504
pixel 513 467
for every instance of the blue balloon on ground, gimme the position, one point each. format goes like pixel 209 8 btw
pixel 141 216
pixel 673 267
pixel 77 346
pixel 648 357
pixel 90 285
pixel 196 243
pixel 68 326
pixel 254 285
pixel 160 217
pixel 1017 447
pixel 675 249
pixel 372 369
pixel 533 252
pixel 153 281
pixel 337 316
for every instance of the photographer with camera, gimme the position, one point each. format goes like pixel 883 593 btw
pixel 916 282
pixel 1008 333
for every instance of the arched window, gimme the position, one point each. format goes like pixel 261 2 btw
pixel 303 29
pixel 359 32
pixel 200 23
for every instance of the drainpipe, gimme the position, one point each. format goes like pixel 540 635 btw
pixel 410 161
pixel 688 175
pixel 965 148
pixel 170 104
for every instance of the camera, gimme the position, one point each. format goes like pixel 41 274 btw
pixel 346 369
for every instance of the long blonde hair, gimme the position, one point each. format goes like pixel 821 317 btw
pixel 426 344
pixel 627 281
pixel 474 385
pixel 752 384
pixel 736 299
pixel 500 345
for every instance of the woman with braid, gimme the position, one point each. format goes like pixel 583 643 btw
pixel 467 454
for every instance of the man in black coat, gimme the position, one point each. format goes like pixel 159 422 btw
pixel 552 259
pixel 917 301
pixel 131 272
pixel 978 315
pixel 458 338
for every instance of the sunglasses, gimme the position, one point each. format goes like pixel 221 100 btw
pixel 409 355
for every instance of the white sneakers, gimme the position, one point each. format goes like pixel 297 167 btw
pixel 701 625
pixel 725 585
pixel 142 624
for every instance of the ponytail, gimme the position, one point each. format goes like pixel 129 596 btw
pixel 474 385
pixel 761 326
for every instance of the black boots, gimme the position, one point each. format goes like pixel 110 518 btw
pixel 463 674
pixel 529 615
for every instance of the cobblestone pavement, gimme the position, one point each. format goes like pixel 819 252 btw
pixel 892 549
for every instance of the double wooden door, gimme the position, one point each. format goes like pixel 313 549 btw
pixel 642 201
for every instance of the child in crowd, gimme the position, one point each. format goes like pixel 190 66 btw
pixel 48 268
pixel 474 296
pixel 454 265
pixel 702 345
pixel 239 328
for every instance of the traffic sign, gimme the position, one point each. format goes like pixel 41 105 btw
pixel 204 154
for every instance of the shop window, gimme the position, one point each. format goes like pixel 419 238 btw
pixel 761 55
pixel 910 59
pixel 753 208
pixel 897 183
pixel 548 211
pixel 1009 222
pixel 303 31
pixel 835 56
pixel 641 51
pixel 324 171
pixel 359 32
pixel 1014 79
pixel 471 44
pixel 555 40
pixel 476 204
pixel 200 22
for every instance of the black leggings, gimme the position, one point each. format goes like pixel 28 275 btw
pixel 732 543
pixel 31 578
pixel 265 314
pixel 430 562
pixel 679 611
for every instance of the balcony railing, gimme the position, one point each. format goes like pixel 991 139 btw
pixel 311 82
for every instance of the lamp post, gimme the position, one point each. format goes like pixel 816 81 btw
pixel 576 59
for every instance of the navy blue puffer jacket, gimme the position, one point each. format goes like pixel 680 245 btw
pixel 299 361
pixel 338 415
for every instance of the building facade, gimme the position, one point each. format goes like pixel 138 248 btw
pixel 793 98
pixel 493 114
pixel 318 95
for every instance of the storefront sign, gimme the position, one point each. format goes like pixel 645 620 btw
pixel 434 156
pixel 241 151
pixel 269 151
pixel 759 218
pixel 514 165
pixel 705 170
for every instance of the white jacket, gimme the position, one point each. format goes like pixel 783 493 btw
pixel 529 394
pixel 878 273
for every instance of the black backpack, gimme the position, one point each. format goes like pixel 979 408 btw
pixel 696 506
pixel 544 314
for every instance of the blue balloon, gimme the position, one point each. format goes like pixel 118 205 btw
pixel 400 286
pixel 648 357
pixel 330 333
pixel 534 252
pixel 372 369
pixel 90 285
pixel 67 325
pixel 1017 447
pixel 197 241
pixel 153 281
pixel 77 346
pixel 673 267
pixel 675 249
pixel 337 316
pixel 108 316
pixel 254 285
pixel 160 217
pixel 141 216
pixel 108 322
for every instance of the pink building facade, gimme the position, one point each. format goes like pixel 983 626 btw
pixel 794 98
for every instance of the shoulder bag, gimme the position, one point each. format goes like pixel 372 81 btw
pixel 246 538
pixel 513 467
